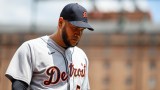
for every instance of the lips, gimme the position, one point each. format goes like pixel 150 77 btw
pixel 75 40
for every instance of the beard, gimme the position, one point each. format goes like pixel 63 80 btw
pixel 65 38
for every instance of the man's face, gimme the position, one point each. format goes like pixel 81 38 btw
pixel 71 34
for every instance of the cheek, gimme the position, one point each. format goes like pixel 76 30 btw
pixel 67 33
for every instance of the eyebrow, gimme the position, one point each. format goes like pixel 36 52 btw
pixel 79 27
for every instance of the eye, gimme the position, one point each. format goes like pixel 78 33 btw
pixel 83 29
pixel 74 28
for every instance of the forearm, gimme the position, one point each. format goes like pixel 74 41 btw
pixel 19 85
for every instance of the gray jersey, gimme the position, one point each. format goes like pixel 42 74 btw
pixel 44 65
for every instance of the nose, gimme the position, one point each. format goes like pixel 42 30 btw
pixel 76 35
pixel 78 32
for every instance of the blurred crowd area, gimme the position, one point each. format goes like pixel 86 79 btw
pixel 123 50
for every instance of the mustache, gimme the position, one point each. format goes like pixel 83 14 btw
pixel 76 38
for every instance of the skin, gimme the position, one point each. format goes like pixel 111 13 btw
pixel 67 35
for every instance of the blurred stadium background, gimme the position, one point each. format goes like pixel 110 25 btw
pixel 124 49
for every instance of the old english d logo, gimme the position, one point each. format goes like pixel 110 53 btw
pixel 85 14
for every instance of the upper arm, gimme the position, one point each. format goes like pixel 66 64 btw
pixel 20 67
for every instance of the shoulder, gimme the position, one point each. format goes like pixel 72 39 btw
pixel 79 50
pixel 35 42
pixel 31 45
pixel 81 54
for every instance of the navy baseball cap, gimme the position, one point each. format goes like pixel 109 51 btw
pixel 76 15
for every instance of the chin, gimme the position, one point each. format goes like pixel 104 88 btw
pixel 72 45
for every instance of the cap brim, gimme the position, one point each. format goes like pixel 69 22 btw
pixel 81 24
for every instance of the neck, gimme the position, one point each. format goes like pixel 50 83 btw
pixel 58 39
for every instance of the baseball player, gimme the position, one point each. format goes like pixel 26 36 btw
pixel 53 62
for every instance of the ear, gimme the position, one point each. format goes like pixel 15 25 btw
pixel 61 22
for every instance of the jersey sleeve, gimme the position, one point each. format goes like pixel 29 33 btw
pixel 85 85
pixel 20 67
